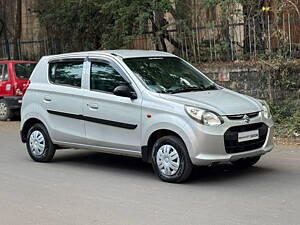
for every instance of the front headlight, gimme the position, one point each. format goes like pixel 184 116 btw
pixel 203 116
pixel 265 109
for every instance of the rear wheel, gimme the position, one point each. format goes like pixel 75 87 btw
pixel 170 159
pixel 39 144
pixel 5 112
pixel 246 162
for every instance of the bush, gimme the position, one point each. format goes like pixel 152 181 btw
pixel 287 120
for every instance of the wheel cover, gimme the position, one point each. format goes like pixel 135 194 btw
pixel 167 160
pixel 37 143
pixel 3 110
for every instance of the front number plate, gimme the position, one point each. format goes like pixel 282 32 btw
pixel 248 135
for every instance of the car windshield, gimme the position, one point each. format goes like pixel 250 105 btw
pixel 169 75
pixel 24 70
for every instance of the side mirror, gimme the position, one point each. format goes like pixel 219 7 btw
pixel 124 91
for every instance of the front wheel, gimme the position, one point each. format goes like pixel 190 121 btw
pixel 39 144
pixel 245 163
pixel 170 159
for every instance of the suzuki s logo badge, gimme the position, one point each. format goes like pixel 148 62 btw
pixel 246 119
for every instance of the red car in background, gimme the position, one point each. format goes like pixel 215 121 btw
pixel 14 76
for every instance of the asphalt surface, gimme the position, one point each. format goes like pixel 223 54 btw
pixel 83 187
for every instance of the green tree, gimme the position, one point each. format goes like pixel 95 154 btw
pixel 106 24
pixel 79 24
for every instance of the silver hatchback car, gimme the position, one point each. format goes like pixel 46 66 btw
pixel 146 104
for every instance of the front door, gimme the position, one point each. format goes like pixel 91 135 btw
pixel 111 121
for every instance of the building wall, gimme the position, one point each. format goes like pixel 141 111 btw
pixel 30 27
pixel 23 28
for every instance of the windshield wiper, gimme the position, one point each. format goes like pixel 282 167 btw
pixel 210 87
pixel 162 92
pixel 189 89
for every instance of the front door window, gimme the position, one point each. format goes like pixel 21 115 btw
pixel 105 78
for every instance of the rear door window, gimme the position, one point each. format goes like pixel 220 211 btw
pixel 66 73
pixel 23 70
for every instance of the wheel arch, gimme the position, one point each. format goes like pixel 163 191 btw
pixel 154 136
pixel 27 125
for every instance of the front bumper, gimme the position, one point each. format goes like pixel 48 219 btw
pixel 208 145
pixel 14 102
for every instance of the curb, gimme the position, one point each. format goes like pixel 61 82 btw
pixel 287 141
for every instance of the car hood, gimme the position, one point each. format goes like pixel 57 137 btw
pixel 222 101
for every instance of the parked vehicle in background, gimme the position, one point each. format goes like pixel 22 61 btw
pixel 145 104
pixel 14 77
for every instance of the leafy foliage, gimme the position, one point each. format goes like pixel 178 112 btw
pixel 287 123
pixel 104 24
pixel 78 23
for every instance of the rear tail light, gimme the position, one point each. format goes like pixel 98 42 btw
pixel 19 92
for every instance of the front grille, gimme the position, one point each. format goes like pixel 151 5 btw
pixel 240 116
pixel 231 138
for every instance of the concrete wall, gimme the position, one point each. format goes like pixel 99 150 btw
pixel 251 80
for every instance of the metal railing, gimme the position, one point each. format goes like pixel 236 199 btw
pixel 230 42
pixel 30 50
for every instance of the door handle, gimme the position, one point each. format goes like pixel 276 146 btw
pixel 47 99
pixel 93 106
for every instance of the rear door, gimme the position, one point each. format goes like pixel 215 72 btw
pixel 62 100
pixel 111 121
pixel 6 88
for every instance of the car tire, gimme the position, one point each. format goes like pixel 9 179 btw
pixel 5 112
pixel 39 144
pixel 170 159
pixel 246 162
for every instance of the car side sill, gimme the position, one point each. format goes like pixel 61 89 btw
pixel 114 151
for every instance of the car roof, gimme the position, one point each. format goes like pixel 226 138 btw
pixel 123 53
pixel 139 53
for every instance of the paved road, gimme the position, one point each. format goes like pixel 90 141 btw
pixel 83 187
